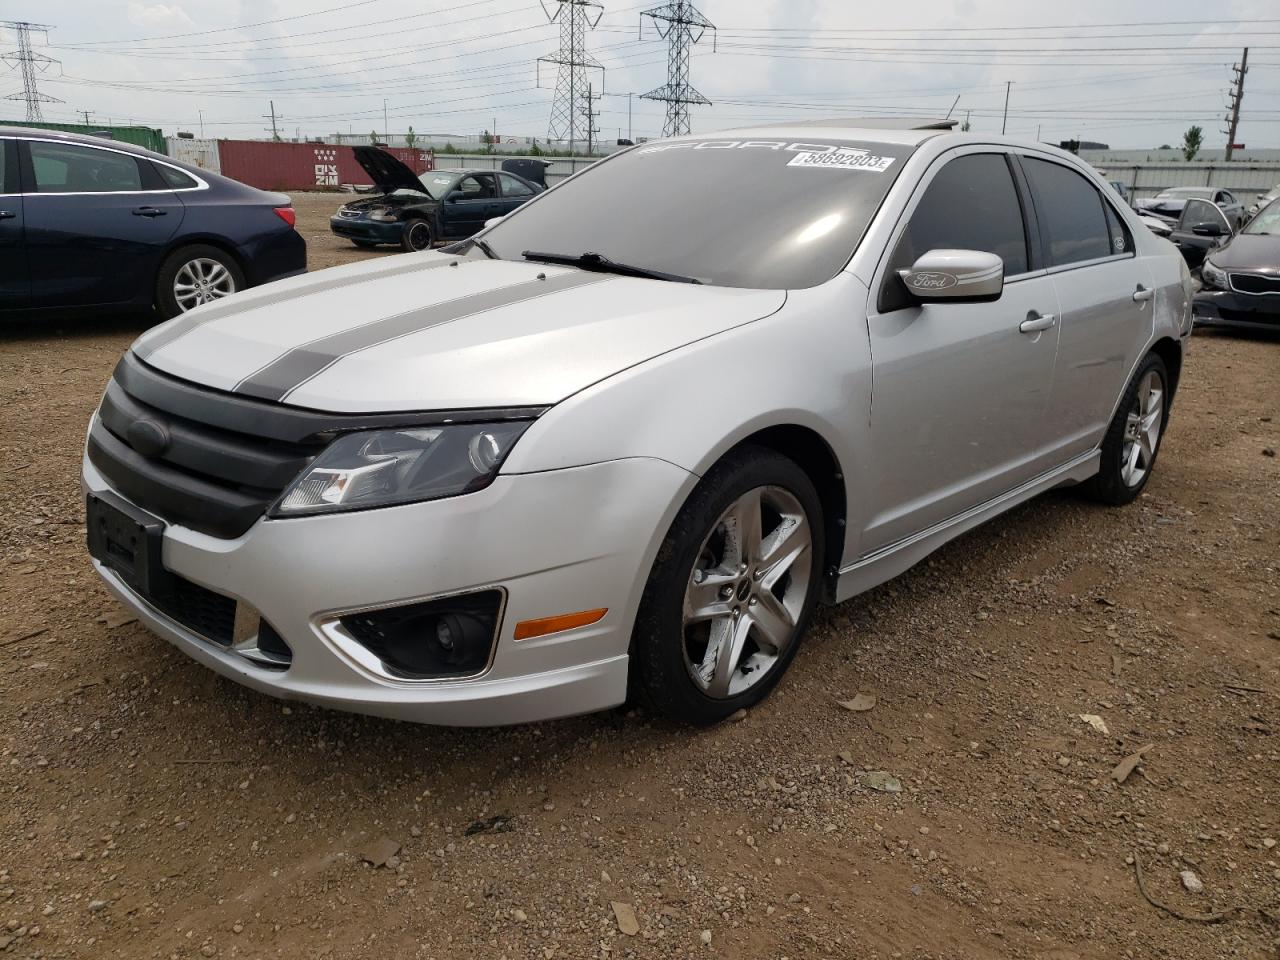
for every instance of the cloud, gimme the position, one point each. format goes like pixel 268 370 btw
pixel 158 15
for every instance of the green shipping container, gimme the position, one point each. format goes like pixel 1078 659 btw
pixel 147 137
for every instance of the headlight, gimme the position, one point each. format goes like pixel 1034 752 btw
pixel 1213 276
pixel 382 213
pixel 382 468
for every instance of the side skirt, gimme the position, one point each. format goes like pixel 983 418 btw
pixel 887 562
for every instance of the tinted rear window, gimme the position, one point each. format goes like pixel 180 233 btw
pixel 773 214
pixel 1070 211
pixel 175 178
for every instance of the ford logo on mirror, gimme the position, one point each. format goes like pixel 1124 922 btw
pixel 932 281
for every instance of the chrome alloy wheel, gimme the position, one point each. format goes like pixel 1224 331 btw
pixel 1142 430
pixel 201 281
pixel 747 591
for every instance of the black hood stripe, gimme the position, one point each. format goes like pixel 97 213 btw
pixel 290 371
pixel 264 297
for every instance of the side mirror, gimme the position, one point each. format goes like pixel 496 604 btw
pixel 491 221
pixel 962 275
pixel 1208 230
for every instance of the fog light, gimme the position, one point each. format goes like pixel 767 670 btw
pixel 450 637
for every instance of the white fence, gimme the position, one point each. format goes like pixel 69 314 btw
pixel 198 153
pixel 1246 180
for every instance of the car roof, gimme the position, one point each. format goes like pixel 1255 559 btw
pixel 87 140
pixel 1191 191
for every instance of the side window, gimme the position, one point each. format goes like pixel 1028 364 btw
pixel 1201 213
pixel 8 168
pixel 1070 210
pixel 1121 238
pixel 511 187
pixel 71 168
pixel 175 178
pixel 478 186
pixel 970 205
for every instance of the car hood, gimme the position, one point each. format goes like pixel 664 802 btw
pixel 386 171
pixel 1253 252
pixel 434 332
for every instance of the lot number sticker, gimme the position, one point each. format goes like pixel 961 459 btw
pixel 842 160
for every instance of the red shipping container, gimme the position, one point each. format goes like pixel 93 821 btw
pixel 305 166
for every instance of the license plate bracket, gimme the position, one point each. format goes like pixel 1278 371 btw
pixel 128 542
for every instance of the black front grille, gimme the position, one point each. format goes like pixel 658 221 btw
pixel 1255 283
pixel 203 612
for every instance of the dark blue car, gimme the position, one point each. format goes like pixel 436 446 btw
pixel 416 212
pixel 87 223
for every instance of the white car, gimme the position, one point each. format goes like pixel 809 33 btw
pixel 626 439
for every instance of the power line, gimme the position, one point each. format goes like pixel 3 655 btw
pixel 29 62
pixel 682 25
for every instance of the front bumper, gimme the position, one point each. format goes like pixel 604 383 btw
pixel 555 542
pixel 1226 308
pixel 372 231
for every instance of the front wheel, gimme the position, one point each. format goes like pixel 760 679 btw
pixel 416 236
pixel 1132 440
pixel 731 591
pixel 193 276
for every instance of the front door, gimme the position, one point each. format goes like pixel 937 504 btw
pixel 958 388
pixel 473 201
pixel 97 223
pixel 1201 227
pixel 13 257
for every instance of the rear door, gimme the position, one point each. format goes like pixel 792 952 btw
pixel 13 256
pixel 1105 296
pixel 959 389
pixel 514 192
pixel 97 223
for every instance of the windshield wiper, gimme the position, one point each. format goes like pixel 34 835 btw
pixel 601 263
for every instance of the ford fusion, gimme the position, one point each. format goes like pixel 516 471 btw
pixel 620 444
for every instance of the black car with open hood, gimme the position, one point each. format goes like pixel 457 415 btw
pixel 417 212
pixel 1242 277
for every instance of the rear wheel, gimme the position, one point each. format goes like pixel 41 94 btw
pixel 195 275
pixel 731 591
pixel 416 236
pixel 1132 440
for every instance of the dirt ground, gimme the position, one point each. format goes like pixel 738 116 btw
pixel 151 809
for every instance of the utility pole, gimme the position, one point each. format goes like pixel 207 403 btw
pixel 590 114
pixel 85 114
pixel 1005 122
pixel 682 25
pixel 201 124
pixel 386 134
pixel 28 61
pixel 1237 96
pixel 629 136
pixel 275 133
pixel 572 63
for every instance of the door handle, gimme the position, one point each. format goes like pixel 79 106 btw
pixel 1142 294
pixel 1036 322
pixel 149 212
pixel 7 215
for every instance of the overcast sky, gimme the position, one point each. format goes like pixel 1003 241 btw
pixel 1132 73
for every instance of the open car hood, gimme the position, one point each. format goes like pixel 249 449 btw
pixel 387 172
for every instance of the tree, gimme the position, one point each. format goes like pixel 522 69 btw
pixel 373 137
pixel 1165 146
pixel 964 127
pixel 1191 141
pixel 410 138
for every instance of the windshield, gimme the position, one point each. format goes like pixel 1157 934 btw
pixel 436 185
pixel 1267 221
pixel 734 213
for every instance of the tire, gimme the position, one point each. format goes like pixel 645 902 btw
pixel 1132 441
pixel 417 236
pixel 194 275
pixel 675 670
pixel 365 244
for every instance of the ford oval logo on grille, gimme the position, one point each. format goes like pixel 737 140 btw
pixel 148 437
